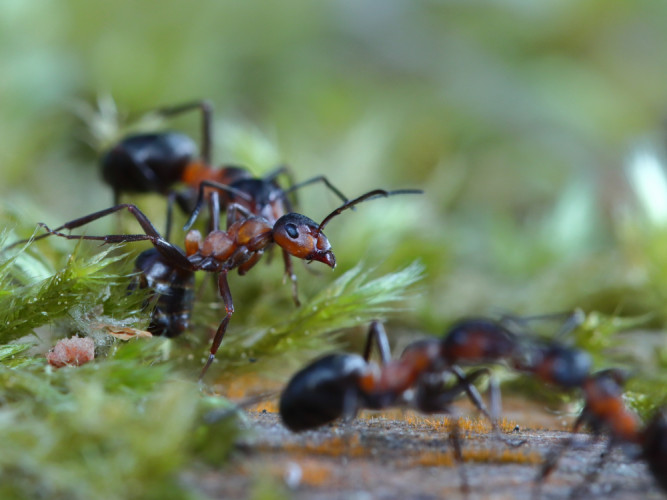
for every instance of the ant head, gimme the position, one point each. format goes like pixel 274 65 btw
pixel 563 366
pixel 301 237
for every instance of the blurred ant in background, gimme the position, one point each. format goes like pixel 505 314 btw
pixel 239 247
pixel 339 385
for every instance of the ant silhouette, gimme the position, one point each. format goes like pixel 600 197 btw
pixel 239 247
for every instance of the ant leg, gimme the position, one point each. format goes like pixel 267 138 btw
pixel 574 321
pixel 180 198
pixel 214 207
pixel 206 109
pixel 226 295
pixel 552 459
pixel 279 170
pixel 455 441
pixel 289 273
pixel 571 320
pixel 171 197
pixel 172 253
pixel 593 473
pixel 313 180
pixel 466 382
pixel 200 198
pixel 232 211
pixel 377 333
pixel 250 263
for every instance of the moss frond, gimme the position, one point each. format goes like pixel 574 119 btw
pixel 353 299
pixel 32 294
pixel 122 425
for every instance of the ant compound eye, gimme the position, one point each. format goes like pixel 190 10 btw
pixel 291 230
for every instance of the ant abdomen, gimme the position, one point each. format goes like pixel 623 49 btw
pixel 173 293
pixel 322 392
pixel 148 162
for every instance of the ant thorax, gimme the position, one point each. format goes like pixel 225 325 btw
pixel 252 234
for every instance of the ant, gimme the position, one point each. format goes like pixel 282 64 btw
pixel 156 162
pixel 339 385
pixel 170 269
pixel 604 411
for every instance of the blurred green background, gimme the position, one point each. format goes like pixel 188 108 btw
pixel 535 128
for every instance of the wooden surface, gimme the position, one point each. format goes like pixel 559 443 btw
pixel 404 455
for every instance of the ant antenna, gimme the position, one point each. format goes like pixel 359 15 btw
pixel 376 193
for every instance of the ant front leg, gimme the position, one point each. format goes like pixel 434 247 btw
pixel 455 441
pixel 466 382
pixel 593 473
pixel 226 295
pixel 250 263
pixel 554 456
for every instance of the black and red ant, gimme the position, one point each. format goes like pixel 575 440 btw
pixel 168 268
pixel 339 385
pixel 157 162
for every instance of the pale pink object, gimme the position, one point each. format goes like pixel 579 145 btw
pixel 73 352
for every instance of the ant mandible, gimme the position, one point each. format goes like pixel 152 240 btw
pixel 239 247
